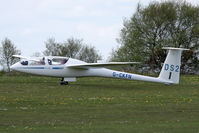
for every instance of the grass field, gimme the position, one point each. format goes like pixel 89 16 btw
pixel 97 105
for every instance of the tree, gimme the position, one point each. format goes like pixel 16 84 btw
pixel 52 48
pixel 74 48
pixel 89 54
pixel 7 50
pixel 71 47
pixel 168 23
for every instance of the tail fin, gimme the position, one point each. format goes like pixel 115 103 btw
pixel 170 72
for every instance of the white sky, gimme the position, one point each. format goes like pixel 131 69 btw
pixel 29 23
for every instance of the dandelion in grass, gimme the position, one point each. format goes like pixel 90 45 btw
pixel 190 100
pixel 184 99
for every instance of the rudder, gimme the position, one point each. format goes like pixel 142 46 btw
pixel 170 72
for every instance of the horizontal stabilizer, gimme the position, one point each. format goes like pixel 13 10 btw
pixel 171 48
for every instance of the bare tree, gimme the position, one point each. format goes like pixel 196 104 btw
pixel 74 48
pixel 7 50
pixel 52 48
pixel 71 47
pixel 89 54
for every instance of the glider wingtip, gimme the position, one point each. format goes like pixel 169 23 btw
pixel 16 55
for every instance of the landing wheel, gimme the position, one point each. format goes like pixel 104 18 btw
pixel 63 82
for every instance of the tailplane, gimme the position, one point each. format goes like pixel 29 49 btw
pixel 170 72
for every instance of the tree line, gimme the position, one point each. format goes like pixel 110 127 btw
pixel 160 24
pixel 74 48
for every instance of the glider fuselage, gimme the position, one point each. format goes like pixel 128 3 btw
pixel 69 68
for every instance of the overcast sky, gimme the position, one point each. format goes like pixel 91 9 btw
pixel 29 23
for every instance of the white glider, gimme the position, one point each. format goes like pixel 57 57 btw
pixel 69 69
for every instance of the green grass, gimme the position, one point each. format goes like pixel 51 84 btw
pixel 97 105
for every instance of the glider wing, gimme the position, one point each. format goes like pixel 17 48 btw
pixel 93 65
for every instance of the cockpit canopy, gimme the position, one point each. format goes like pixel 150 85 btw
pixel 45 61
